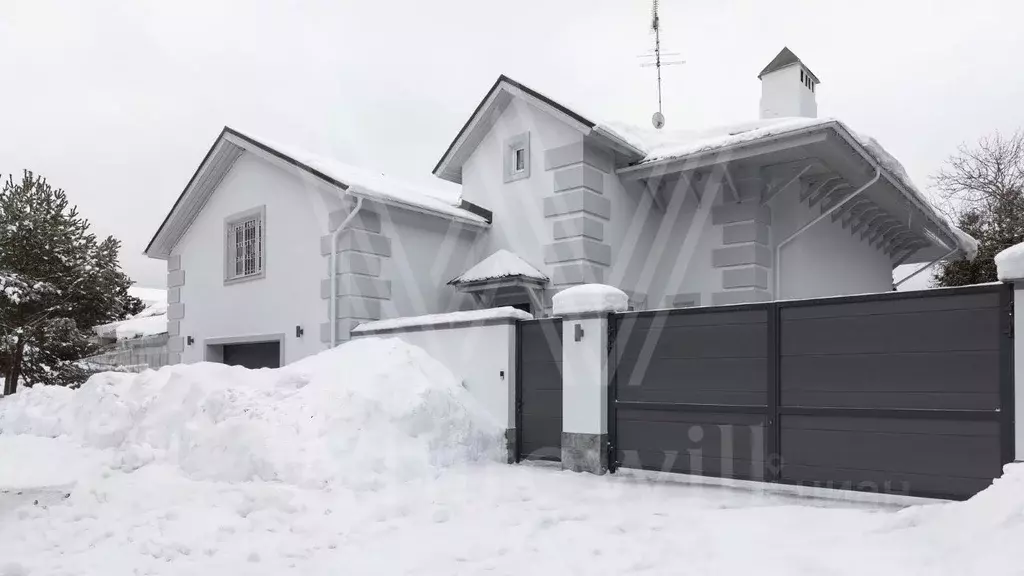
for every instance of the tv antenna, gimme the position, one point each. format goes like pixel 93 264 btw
pixel 658 119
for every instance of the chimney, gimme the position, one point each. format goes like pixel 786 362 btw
pixel 787 88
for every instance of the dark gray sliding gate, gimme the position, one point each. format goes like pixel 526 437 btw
pixel 907 393
pixel 539 390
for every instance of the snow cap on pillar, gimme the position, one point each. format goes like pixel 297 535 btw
pixel 589 298
pixel 1010 263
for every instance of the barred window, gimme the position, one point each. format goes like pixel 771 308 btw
pixel 244 246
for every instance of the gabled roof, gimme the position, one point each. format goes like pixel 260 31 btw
pixel 375 186
pixel 497 99
pixel 786 58
pixel 500 265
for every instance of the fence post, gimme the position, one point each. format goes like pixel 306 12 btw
pixel 584 310
pixel 1016 325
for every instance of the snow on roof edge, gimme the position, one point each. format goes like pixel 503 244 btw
pixel 660 147
pixel 376 185
pixel 448 318
pixel 501 264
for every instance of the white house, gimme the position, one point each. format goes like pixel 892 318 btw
pixel 274 253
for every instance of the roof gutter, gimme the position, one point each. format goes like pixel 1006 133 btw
pixel 841 131
pixel 928 211
pixel 356 193
pixel 333 308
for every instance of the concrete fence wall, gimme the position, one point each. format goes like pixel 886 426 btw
pixel 479 351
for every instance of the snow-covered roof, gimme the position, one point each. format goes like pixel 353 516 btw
pixel 501 264
pixel 437 199
pixel 637 146
pixel 151 321
pixel 660 145
pixel 674 145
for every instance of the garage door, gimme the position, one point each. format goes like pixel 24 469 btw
pixel 253 354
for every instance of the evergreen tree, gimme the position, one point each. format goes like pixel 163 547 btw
pixel 56 282
pixel 984 185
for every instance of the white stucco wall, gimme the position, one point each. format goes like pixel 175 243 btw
pixel 289 294
pixel 661 251
pixel 426 252
pixel 585 376
pixel 483 357
pixel 825 260
pixel 519 224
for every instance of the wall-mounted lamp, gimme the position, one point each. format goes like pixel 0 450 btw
pixel 299 331
pixel 189 340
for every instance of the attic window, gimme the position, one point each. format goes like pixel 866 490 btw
pixel 517 157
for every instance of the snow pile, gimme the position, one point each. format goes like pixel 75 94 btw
pixel 978 536
pixel 449 318
pixel 589 298
pixel 1010 263
pixel 501 264
pixel 367 413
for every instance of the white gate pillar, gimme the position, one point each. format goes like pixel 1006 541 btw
pixel 1018 369
pixel 1010 268
pixel 584 310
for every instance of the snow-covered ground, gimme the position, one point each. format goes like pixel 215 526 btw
pixel 372 459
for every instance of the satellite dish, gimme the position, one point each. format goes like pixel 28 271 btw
pixel 658 120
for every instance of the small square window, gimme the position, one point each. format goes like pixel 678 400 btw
pixel 519 160
pixel 245 245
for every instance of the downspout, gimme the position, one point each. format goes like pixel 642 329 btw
pixel 334 268
pixel 778 248
pixel 925 267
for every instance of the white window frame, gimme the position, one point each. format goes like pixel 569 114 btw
pixel 512 148
pixel 518 154
pixel 237 245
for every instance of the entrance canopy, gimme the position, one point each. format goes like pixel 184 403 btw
pixel 503 279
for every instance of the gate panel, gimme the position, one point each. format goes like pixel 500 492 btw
pixel 689 390
pixel 895 392
pixel 539 390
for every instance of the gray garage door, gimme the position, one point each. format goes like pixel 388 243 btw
pixel 906 393
pixel 253 354
pixel 539 390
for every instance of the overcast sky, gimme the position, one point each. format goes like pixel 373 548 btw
pixel 117 102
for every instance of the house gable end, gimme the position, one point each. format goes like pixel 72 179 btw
pixel 492 107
